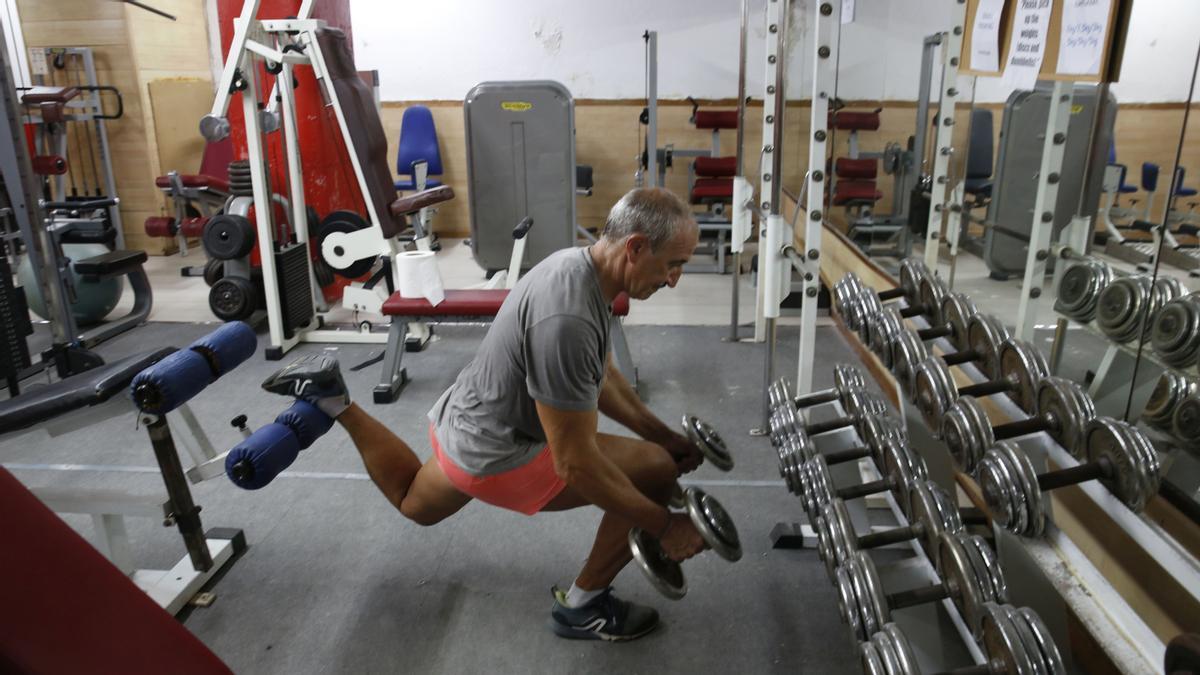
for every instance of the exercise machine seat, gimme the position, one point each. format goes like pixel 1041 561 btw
pixel 366 129
pixel 69 610
pixel 214 169
pixel 715 167
pixel 855 192
pixel 89 388
pixel 712 189
pixel 1180 189
pixel 1149 176
pixel 191 180
pixel 715 119
pixel 482 302
pixel 978 179
pixel 860 169
pixel 1123 187
pixel 55 95
pixel 418 141
pixel 850 120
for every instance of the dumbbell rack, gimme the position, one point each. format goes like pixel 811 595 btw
pixel 1063 569
pixel 923 625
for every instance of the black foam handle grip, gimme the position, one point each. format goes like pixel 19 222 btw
pixel 522 227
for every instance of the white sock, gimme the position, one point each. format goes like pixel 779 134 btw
pixel 577 597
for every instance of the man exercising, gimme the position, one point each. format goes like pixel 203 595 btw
pixel 518 428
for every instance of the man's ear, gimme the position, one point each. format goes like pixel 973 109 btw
pixel 636 246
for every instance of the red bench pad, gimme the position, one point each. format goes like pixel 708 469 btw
pixel 715 167
pixel 716 119
pixel 712 188
pixel 195 181
pixel 473 302
pixel 847 191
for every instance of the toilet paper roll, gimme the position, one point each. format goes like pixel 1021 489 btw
pixel 418 276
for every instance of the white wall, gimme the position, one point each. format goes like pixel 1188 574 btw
pixel 441 50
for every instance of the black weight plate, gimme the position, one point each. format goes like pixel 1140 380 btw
pixel 1185 422
pixel 1174 327
pixel 232 299
pixel 213 271
pixel 346 222
pixel 228 237
pixel 1118 306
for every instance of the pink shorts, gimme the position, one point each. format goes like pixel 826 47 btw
pixel 526 489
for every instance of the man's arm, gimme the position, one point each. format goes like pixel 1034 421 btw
pixel 579 462
pixel 619 402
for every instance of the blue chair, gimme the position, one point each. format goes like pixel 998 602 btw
pixel 978 181
pixel 1180 190
pixel 418 143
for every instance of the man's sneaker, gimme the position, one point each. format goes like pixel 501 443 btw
pixel 316 379
pixel 604 617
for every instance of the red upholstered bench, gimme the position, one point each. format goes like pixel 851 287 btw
pixel 466 305
pixel 708 190
pixel 855 192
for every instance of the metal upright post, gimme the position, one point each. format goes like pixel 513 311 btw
pixel 651 38
pixel 773 267
pixel 1053 146
pixel 948 96
pixel 826 23
pixel 736 244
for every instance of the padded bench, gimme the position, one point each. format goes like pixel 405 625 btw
pixel 466 306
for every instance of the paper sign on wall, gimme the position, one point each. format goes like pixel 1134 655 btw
pixel 1027 46
pixel 985 36
pixel 1081 43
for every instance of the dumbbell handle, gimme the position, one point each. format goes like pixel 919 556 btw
pixel 935 332
pixel 891 294
pixel 847 455
pixel 981 669
pixel 816 398
pixel 829 425
pixel 917 596
pixel 913 310
pixel 957 358
pixel 986 388
pixel 864 489
pixel 1020 428
pixel 892 536
pixel 1075 475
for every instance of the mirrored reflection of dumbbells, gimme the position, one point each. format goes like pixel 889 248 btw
pixel 1063 409
pixel 715 526
pixel 847 290
pixel 1127 306
pixel 1015 641
pixel 1080 288
pixel 1021 367
pixel 931 511
pixel 971 577
pixel 985 334
pixel 1116 454
pixel 1171 391
pixel 1175 335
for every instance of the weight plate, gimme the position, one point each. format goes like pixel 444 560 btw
pixel 883 331
pixel 1185 422
pixel 1170 390
pixel 1176 331
pixel 985 334
pixel 887 652
pixel 816 485
pixel 959 576
pixel 957 310
pixel 907 353
pixel 711 445
pixel 988 566
pixel 1034 517
pixel 912 271
pixel 868 656
pixel 876 613
pixel 1002 644
pixel 1002 487
pixel 1025 636
pixel 933 390
pixel 779 392
pixel 1106 440
pixel 967 433
pixel 1052 663
pixel 848 602
pixel 228 237
pixel 214 269
pixel 714 524
pixel 923 509
pixel 903 469
pixel 1150 470
pixel 1061 403
pixel 1078 282
pixel 232 299
pixel 900 645
pixel 345 222
pixel 1119 307
pixel 930 292
pixel 871 308
pixel 847 376
pixel 664 574
pixel 1020 365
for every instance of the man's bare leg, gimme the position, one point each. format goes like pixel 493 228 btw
pixel 421 492
pixel 654 473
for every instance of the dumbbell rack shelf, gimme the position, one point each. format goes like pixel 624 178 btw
pixel 911 572
pixel 1112 621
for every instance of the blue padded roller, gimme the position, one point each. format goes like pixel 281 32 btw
pixel 256 461
pixel 227 347
pixel 171 382
pixel 306 421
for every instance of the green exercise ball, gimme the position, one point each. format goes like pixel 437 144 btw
pixel 94 299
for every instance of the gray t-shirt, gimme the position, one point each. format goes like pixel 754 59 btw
pixel 548 343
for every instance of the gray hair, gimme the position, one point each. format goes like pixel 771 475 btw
pixel 656 213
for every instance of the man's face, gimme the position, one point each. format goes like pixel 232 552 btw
pixel 651 270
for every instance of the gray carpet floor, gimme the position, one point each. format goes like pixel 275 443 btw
pixel 336 581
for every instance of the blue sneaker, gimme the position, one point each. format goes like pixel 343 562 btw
pixel 316 379
pixel 604 617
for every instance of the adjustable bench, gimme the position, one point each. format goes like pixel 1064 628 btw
pixel 469 306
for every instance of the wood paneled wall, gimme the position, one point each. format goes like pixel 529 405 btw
pixel 132 47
